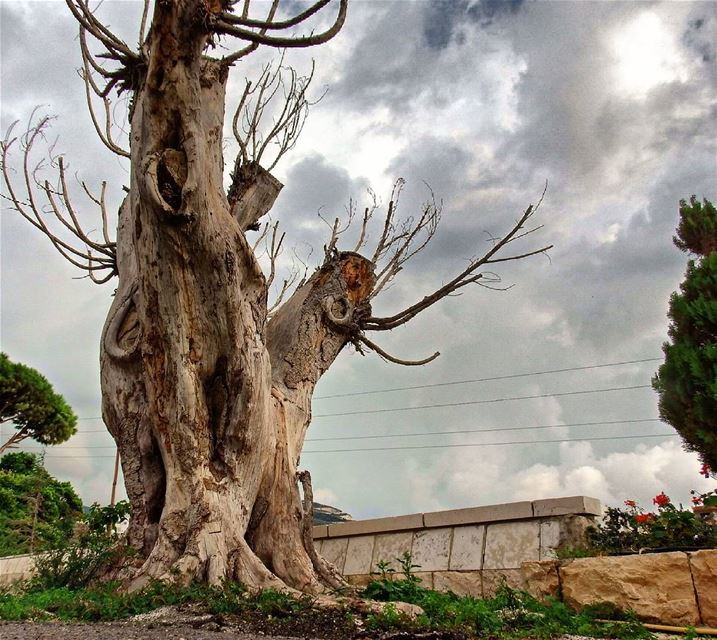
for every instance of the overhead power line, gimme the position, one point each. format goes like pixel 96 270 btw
pixel 490 430
pixel 495 444
pixel 471 402
pixel 417 434
pixel 467 381
pixel 472 380
pixel 487 401
pixel 442 446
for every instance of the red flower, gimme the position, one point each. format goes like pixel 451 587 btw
pixel 705 471
pixel 696 500
pixel 630 503
pixel 642 518
pixel 661 500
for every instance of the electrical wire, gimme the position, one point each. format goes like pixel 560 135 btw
pixel 467 381
pixel 443 446
pixel 472 380
pixel 426 433
pixel 494 444
pixel 488 401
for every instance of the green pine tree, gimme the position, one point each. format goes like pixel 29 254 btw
pixel 29 403
pixel 687 381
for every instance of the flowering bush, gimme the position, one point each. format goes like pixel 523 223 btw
pixel 631 529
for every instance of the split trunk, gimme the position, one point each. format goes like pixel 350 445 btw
pixel 207 398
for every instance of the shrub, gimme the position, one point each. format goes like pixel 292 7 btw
pixel 630 529
pixel 36 510
pixel 95 546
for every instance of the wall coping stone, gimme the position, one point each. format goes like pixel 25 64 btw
pixel 572 505
pixel 376 525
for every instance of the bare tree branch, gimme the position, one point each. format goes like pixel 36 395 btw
pixel 245 21
pixel 241 27
pixel 288 120
pixel 407 363
pixel 98 259
pixel 117 49
pixel 470 275
pixel 401 239
pixel 252 46
pixel 404 244
pixel 90 65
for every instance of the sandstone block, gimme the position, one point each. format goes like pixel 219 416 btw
pixel 318 545
pixel 358 555
pixel 426 578
pixel 359 580
pixel 467 549
pixel 509 544
pixel 541 578
pixel 704 575
pixel 493 579
pixel 564 506
pixel 334 551
pixel 389 547
pixel 657 587
pixel 477 515
pixel 431 549
pixel 462 583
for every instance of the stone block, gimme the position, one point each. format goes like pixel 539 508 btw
pixel 320 531
pixel 359 580
pixel 493 579
pixel 478 515
pixel 358 555
pixel 550 538
pixel 564 506
pixel 467 548
pixel 389 547
pixel 563 532
pixel 431 549
pixel 426 578
pixel 14 568
pixel 334 551
pixel 376 525
pixel 541 578
pixel 657 586
pixel 509 544
pixel 462 583
pixel 318 545
pixel 704 576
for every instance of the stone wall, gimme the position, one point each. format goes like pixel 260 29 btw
pixel 467 551
pixel 674 588
pixel 15 568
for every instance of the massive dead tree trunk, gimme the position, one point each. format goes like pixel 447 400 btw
pixel 207 397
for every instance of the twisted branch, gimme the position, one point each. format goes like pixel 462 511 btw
pixel 387 356
pixel 255 31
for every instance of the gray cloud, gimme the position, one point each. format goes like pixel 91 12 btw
pixel 484 106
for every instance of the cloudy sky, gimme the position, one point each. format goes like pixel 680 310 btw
pixel 614 104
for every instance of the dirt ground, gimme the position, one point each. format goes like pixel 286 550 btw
pixel 118 631
pixel 134 631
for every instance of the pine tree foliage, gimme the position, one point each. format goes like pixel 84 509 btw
pixel 687 381
pixel 30 404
